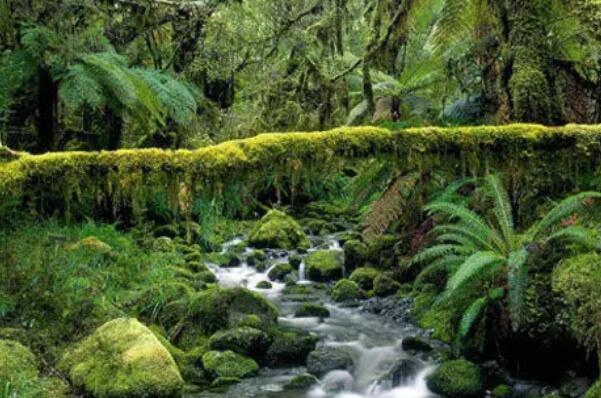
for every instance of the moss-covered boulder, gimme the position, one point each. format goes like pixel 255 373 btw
pixel 277 230
pixel 326 358
pixel 385 286
pixel 295 260
pixel 122 358
pixel 279 272
pixel 503 391
pixel 346 290
pixel 221 308
pixel 255 257
pixel 456 379
pixel 302 382
pixel 290 348
pixel 245 340
pixel 19 367
pixel 312 310
pixel 381 251
pixel 364 277
pixel 228 364
pixel 324 265
pixel 355 254
pixel 264 285
pixel 92 244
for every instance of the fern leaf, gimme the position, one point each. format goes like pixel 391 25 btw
pixel 466 230
pixel 437 251
pixel 575 234
pixel 470 317
pixel 474 265
pixel 564 209
pixel 517 280
pixel 502 209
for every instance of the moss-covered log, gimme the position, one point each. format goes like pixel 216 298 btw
pixel 79 183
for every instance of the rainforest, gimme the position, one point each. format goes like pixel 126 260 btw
pixel 300 198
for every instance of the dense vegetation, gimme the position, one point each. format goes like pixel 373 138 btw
pixel 454 177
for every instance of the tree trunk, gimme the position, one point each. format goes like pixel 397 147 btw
pixel 115 129
pixel 529 86
pixel 46 115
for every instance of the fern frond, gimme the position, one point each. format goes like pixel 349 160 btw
pixel 450 192
pixel 447 263
pixel 470 317
pixel 575 234
pixel 474 265
pixel 437 251
pixel 502 209
pixel 517 280
pixel 564 209
pixel 476 238
pixel 467 217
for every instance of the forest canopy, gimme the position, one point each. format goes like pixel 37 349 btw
pixel 106 74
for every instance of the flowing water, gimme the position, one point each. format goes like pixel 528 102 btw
pixel 374 343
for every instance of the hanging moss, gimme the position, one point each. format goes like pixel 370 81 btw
pixel 78 184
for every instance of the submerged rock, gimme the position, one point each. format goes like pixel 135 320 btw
pixel 229 365
pixel 456 379
pixel 276 230
pixel 415 343
pixel 324 265
pixel 325 359
pixel 403 371
pixel 122 358
pixel 302 382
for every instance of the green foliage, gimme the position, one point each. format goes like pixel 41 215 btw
pixel 477 250
pixel 324 265
pixel 456 379
pixel 277 230
pixel 229 364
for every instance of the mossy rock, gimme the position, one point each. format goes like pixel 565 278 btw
pixel 325 359
pixel 503 391
pixel 255 257
pixel 221 308
pixel 225 260
pixel 54 387
pixel 312 310
pixel 346 290
pixel 381 251
pixel 364 277
pixel 245 340
pixel 163 244
pixel 415 343
pixel 290 348
pixel 355 255
pixel 316 227
pixel 277 230
pixel 19 367
pixel 93 245
pixel 324 265
pixel 385 286
pixel 122 358
pixel 456 379
pixel 280 271
pixel 302 382
pixel 297 290
pixel 295 260
pixel 228 364
pixel 265 285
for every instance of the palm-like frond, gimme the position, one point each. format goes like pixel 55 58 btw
pixel 467 217
pixel 436 252
pixel 470 317
pixel 472 267
pixel 473 235
pixel 564 209
pixel 502 209
pixel 517 280
pixel 575 234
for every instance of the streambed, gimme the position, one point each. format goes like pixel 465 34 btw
pixel 379 364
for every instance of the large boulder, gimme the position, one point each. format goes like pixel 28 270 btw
pixel 280 271
pixel 290 348
pixel 277 230
pixel 245 340
pixel 346 290
pixel 221 308
pixel 456 379
pixel 229 365
pixel 122 358
pixel 325 359
pixel 18 366
pixel 364 277
pixel 385 286
pixel 355 254
pixel 308 310
pixel 324 265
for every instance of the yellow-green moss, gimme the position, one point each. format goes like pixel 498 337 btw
pixel 279 231
pixel 324 265
pixel 18 369
pixel 228 364
pixel 122 358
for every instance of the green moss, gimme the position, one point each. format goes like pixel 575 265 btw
pixel 385 286
pixel 280 271
pixel 290 348
pixel 346 290
pixel 256 256
pixel 122 358
pixel 456 379
pixel 502 391
pixel 228 364
pixel 92 244
pixel 364 277
pixel 19 369
pixel 277 230
pixel 245 340
pixel 311 310
pixel 594 391
pixel 264 285
pixel 355 255
pixel 324 265
pixel 295 260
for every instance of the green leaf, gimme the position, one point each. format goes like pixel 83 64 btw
pixel 470 317
pixel 473 266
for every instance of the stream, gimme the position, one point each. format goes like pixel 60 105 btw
pixel 372 340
